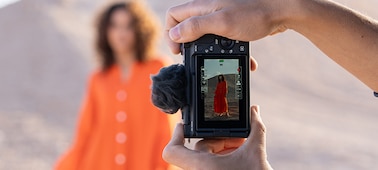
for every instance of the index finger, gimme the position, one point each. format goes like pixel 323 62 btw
pixel 179 13
pixel 258 131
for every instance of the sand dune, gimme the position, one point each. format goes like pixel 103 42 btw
pixel 318 116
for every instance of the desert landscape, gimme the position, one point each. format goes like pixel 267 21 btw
pixel 318 116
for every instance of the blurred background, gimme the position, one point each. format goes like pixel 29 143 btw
pixel 318 116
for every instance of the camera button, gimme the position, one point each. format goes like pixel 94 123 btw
pixel 211 48
pixel 242 48
pixel 222 51
pixel 231 51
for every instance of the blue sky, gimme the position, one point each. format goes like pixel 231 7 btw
pixel 213 67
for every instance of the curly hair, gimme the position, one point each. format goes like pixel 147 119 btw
pixel 143 21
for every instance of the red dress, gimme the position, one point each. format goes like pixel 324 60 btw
pixel 119 128
pixel 220 100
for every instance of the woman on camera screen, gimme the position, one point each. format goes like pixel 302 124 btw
pixel 119 128
pixel 220 99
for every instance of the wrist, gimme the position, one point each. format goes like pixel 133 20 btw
pixel 292 14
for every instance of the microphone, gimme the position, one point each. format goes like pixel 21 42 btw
pixel 168 88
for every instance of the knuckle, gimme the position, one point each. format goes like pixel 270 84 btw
pixel 170 12
pixel 261 127
pixel 169 18
pixel 224 20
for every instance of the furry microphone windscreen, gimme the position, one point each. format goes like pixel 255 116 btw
pixel 168 88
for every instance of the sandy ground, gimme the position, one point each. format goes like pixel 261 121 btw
pixel 318 116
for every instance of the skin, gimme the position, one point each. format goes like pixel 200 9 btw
pixel 121 37
pixel 221 154
pixel 345 36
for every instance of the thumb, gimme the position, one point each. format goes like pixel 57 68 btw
pixel 178 135
pixel 177 140
pixel 258 132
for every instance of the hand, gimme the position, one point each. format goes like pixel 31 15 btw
pixel 245 20
pixel 220 154
pixel 347 37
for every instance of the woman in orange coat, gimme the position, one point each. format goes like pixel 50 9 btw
pixel 119 128
pixel 220 99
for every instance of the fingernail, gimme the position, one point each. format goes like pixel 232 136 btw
pixel 174 34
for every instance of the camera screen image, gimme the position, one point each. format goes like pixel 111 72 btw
pixel 221 89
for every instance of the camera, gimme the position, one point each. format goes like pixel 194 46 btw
pixel 217 89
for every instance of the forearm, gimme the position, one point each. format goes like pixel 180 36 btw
pixel 348 38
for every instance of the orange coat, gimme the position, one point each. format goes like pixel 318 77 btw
pixel 220 100
pixel 119 128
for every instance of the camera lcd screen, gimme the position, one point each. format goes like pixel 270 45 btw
pixel 222 91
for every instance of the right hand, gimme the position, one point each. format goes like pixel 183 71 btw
pixel 245 20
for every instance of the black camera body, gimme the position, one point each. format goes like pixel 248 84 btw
pixel 217 89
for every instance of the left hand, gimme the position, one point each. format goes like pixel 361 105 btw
pixel 219 154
